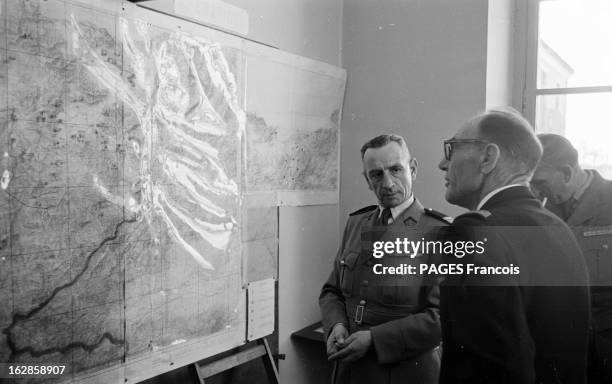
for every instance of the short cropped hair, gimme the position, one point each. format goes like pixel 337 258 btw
pixel 557 150
pixel 381 141
pixel 514 136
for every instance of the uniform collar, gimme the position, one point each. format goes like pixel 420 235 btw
pixel 399 209
pixel 578 194
pixel 591 199
pixel 489 195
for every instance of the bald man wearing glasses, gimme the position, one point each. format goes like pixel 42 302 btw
pixel 525 327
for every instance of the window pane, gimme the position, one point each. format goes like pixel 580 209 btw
pixel 575 43
pixel 586 120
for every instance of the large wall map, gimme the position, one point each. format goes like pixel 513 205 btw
pixel 124 165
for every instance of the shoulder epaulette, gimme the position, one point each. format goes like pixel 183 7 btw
pixel 364 210
pixel 480 214
pixel 438 215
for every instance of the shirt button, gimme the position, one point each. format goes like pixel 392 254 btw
pixel 365 283
pixel 362 302
pixel 605 246
pixel 342 262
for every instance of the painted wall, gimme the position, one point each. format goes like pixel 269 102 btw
pixel 309 28
pixel 417 68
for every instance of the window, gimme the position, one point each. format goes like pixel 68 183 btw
pixel 569 86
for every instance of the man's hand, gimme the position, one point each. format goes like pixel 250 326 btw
pixel 336 338
pixel 355 347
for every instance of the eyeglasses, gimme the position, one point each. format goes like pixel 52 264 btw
pixel 448 145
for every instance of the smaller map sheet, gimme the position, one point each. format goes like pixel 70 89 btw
pixel 292 131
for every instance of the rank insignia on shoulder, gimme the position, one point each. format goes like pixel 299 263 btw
pixel 439 215
pixel 480 214
pixel 364 210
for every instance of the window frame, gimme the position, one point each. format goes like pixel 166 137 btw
pixel 531 90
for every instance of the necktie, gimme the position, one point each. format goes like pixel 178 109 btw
pixel 385 216
pixel 381 222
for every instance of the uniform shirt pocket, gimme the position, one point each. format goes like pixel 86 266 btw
pixel 597 246
pixel 399 296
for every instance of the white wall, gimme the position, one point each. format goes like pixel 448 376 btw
pixel 308 28
pixel 417 68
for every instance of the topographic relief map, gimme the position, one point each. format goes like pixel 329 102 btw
pixel 127 144
pixel 120 217
pixel 293 127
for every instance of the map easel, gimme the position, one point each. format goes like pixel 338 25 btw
pixel 259 349
pixel 261 310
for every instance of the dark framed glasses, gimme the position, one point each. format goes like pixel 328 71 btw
pixel 448 145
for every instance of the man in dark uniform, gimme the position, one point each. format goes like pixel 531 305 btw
pixel 506 327
pixel 382 332
pixel 583 199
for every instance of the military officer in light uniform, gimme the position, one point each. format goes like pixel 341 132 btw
pixel 383 331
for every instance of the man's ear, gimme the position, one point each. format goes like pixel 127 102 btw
pixel 567 172
pixel 490 157
pixel 414 167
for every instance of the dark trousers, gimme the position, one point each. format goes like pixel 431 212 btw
pixel 600 357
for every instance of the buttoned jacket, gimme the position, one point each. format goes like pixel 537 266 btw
pixel 401 315
pixel 530 327
pixel 591 221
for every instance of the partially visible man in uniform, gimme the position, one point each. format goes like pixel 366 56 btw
pixel 377 332
pixel 583 199
pixel 525 327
